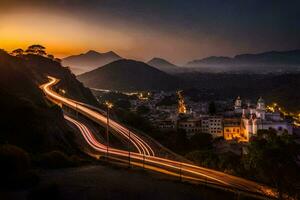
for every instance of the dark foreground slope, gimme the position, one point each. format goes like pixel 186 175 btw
pixel 33 131
pixel 128 75
pixel 27 119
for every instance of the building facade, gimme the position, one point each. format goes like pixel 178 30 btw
pixel 210 124
pixel 257 118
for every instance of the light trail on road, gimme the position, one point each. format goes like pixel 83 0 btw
pixel 141 146
pixel 145 156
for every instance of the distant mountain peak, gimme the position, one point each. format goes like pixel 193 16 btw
pixel 92 52
pixel 162 64
pixel 112 53
pixel 90 60
pixel 159 60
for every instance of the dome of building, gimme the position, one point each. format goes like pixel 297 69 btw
pixel 260 100
pixel 261 104
pixel 238 103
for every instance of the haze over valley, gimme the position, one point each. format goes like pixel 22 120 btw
pixel 147 99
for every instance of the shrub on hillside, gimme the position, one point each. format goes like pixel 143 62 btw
pixel 15 166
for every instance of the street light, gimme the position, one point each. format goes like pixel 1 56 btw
pixel 62 91
pixel 109 105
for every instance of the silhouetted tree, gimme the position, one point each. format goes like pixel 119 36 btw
pixel 36 49
pixel 273 159
pixel 17 52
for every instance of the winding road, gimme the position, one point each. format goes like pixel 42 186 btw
pixel 145 156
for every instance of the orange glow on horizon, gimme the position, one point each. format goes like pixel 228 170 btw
pixel 61 35
pixel 65 33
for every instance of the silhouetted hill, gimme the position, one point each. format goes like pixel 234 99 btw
pixel 27 118
pixel 163 65
pixel 42 67
pixel 273 61
pixel 128 75
pixel 88 61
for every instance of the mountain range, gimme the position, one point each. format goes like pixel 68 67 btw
pixel 129 75
pixel 267 62
pixel 88 61
pixel 272 61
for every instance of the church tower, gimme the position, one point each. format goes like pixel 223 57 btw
pixel 261 104
pixel 260 108
pixel 238 104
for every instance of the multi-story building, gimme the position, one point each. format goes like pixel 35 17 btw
pixel 215 126
pixel 209 124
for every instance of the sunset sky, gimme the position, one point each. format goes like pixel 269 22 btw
pixel 176 30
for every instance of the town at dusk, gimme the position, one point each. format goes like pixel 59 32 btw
pixel 128 99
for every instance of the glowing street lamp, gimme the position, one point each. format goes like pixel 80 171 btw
pixel 108 104
pixel 62 91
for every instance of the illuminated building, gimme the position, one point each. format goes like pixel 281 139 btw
pixel 250 119
pixel 181 104
pixel 233 130
pixel 257 118
pixel 209 124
